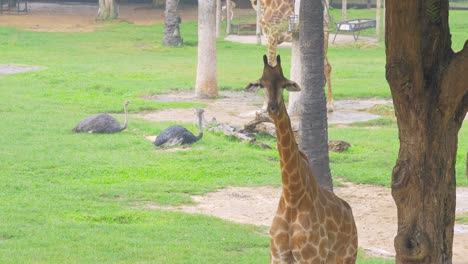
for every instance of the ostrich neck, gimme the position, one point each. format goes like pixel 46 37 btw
pixel 126 118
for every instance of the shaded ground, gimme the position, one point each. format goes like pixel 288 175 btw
pixel 373 206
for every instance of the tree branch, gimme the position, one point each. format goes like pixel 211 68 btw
pixel 454 84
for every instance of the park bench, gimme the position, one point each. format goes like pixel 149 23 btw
pixel 20 6
pixel 355 25
pixel 245 28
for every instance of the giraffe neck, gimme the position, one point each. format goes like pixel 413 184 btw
pixel 296 175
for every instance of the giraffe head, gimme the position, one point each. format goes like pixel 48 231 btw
pixel 273 82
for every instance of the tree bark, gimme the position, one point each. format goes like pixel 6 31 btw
pixel 171 25
pixel 294 102
pixel 218 18
pixel 378 18
pixel 108 9
pixel 228 16
pixel 344 6
pixel 158 3
pixel 258 31
pixel 314 133
pixel 428 84
pixel 206 84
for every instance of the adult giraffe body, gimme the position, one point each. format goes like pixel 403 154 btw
pixel 275 24
pixel 311 225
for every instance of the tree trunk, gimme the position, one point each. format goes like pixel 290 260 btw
pixel 228 16
pixel 258 31
pixel 108 9
pixel 206 84
pixel 294 102
pixel 344 6
pixel 218 18
pixel 158 3
pixel 378 19
pixel 314 133
pixel 171 25
pixel 428 84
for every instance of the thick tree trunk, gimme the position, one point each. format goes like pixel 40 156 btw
pixel 108 9
pixel 171 25
pixel 206 83
pixel 428 84
pixel 314 133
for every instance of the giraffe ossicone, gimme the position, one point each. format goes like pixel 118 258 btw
pixel 311 225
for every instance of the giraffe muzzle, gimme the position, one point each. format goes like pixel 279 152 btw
pixel 273 109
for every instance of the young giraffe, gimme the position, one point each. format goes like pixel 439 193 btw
pixel 312 225
pixel 275 24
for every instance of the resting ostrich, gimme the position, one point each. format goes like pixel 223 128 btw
pixel 102 123
pixel 174 135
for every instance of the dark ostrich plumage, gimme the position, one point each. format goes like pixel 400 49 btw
pixel 177 135
pixel 102 123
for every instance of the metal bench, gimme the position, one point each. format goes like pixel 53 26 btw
pixel 14 6
pixel 355 25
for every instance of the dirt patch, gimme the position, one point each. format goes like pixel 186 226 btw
pixel 373 208
pixel 6 69
pixel 237 108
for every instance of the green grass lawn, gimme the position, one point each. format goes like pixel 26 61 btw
pixel 81 198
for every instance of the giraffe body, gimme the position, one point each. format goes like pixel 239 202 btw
pixel 311 225
pixel 275 24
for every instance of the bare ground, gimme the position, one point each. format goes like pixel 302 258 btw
pixel 373 206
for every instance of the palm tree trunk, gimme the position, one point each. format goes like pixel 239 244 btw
pixel 218 18
pixel 378 19
pixel 228 16
pixel 206 83
pixel 314 132
pixel 344 6
pixel 171 25
pixel 108 9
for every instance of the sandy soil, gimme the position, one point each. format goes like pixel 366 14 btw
pixel 373 206
pixel 373 209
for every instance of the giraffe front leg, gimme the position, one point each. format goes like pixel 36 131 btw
pixel 327 68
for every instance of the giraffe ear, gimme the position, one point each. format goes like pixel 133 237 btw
pixel 292 86
pixel 278 60
pixel 253 86
pixel 265 60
